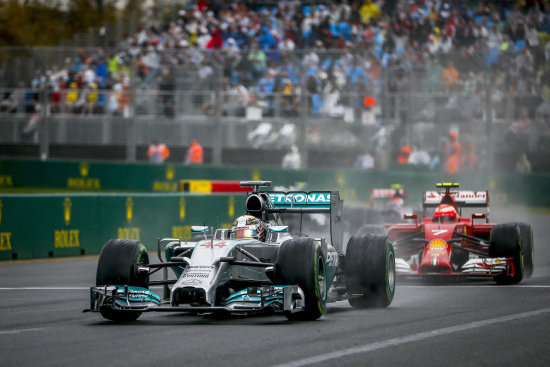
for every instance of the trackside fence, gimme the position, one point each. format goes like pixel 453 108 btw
pixel 41 226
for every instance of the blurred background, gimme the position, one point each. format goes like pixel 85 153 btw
pixel 451 86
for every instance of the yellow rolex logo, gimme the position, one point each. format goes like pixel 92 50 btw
pixel 255 175
pixel 129 206
pixel 182 209
pixel 231 210
pixel 341 179
pixel 84 169
pixel 67 211
pixel 170 172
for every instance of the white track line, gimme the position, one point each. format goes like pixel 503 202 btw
pixel 410 338
pixel 7 332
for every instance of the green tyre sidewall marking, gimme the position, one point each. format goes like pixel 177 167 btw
pixel 141 251
pixel 316 258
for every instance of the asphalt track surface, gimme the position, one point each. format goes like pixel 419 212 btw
pixel 464 324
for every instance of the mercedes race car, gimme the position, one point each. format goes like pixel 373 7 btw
pixel 447 244
pixel 257 266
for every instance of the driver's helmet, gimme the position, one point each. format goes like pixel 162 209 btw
pixel 445 213
pixel 248 226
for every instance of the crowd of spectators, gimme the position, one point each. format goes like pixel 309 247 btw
pixel 267 53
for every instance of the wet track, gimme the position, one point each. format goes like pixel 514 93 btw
pixel 465 324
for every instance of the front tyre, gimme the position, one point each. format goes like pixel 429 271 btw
pixel 116 266
pixel 506 242
pixel 301 262
pixel 370 271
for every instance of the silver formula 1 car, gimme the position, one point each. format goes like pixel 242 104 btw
pixel 257 266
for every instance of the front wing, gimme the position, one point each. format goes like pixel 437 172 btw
pixel 246 301
pixel 477 267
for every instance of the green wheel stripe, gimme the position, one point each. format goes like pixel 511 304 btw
pixel 141 251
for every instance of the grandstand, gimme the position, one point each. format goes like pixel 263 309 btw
pixel 250 79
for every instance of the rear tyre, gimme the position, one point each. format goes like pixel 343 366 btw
pixel 506 242
pixel 116 266
pixel 370 271
pixel 301 262
pixel 527 246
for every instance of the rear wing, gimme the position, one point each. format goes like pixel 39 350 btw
pixel 313 202
pixel 459 198
pixel 260 204
pixel 301 201
pixel 386 193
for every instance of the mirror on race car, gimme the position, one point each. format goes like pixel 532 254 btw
pixel 478 216
pixel 199 229
pixel 411 216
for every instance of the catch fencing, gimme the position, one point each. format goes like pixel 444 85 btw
pixel 347 99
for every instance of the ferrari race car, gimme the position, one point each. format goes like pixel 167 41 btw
pixel 257 266
pixel 447 244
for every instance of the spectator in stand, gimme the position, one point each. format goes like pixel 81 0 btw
pixel 289 99
pixel 419 156
pixel 194 153
pixel 453 154
pixel 450 76
pixel 158 152
pixel 257 59
pixel 404 153
pixel 292 159
pixel 72 97
pixel 364 160
pixel 91 99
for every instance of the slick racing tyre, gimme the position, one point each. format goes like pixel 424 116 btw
pixel 371 229
pixel 370 271
pixel 506 242
pixel 116 266
pixel 301 262
pixel 527 246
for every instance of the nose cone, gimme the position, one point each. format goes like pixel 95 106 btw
pixel 436 258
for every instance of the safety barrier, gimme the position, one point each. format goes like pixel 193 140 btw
pixel 71 223
pixel 39 226
pixel 354 185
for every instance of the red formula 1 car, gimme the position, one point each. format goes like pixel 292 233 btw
pixel 447 244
